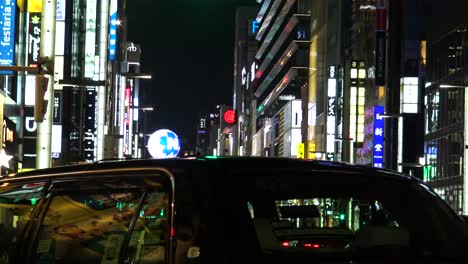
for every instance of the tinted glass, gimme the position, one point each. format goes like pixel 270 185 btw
pixel 17 202
pixel 344 216
pixel 88 222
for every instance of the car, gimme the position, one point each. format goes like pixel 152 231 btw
pixel 225 210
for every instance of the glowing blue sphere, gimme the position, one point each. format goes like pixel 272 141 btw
pixel 163 144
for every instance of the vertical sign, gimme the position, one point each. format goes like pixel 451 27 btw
pixel 113 29
pixel 57 107
pixel 331 109
pixel 34 45
pixel 90 125
pixel 378 136
pixel 61 5
pixel 30 134
pixel 128 102
pixel 380 47
pixel 7 27
pixel 90 44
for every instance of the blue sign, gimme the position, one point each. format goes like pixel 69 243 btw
pixel 7 34
pixel 113 30
pixel 378 136
pixel 163 144
pixel 255 26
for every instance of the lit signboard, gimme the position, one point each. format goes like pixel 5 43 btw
pixel 378 136
pixel 331 109
pixel 127 117
pixel 61 7
pixel 409 95
pixel 357 101
pixel 90 36
pixel 7 28
pixel 34 45
pixel 113 29
pixel 163 144
pixel 255 26
pixel 90 124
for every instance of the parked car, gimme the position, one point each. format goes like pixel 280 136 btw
pixel 225 210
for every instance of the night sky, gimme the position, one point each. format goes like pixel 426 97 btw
pixel 188 46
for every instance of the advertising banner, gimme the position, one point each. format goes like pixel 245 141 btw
pixel 7 28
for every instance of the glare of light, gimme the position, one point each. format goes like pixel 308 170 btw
pixel 118 22
pixel 450 86
pixel 422 161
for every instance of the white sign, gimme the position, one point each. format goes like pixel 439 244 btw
pixel 163 144
pixel 90 37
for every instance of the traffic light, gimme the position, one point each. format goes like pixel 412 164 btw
pixel 40 104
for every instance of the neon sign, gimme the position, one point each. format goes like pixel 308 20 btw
pixel 230 116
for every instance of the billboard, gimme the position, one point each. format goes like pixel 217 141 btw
pixel 7 39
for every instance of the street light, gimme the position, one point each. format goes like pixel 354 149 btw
pixel 144 109
pixel 137 75
pixel 451 86
pixel 351 147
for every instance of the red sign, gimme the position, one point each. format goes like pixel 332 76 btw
pixel 230 116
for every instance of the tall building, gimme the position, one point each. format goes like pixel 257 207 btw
pixel 247 25
pixel 446 105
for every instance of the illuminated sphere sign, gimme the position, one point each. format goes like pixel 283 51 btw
pixel 230 116
pixel 163 144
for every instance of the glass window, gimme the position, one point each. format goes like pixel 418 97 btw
pixel 17 202
pixel 91 222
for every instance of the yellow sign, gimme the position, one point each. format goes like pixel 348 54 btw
pixel 300 150
pixel 311 150
pixel 34 6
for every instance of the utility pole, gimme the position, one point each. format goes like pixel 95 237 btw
pixel 44 129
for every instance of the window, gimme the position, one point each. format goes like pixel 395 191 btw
pixel 17 202
pixel 100 222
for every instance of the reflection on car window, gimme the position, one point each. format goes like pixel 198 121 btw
pixel 17 201
pixel 89 222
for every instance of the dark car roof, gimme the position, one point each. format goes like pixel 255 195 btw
pixel 230 163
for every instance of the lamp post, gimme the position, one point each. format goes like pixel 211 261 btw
pixel 351 147
pixel 399 137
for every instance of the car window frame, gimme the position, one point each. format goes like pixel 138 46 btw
pixel 98 174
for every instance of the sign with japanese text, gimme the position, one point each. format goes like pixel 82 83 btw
pixel 113 29
pixel 378 136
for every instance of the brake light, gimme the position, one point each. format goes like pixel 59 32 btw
pixel 285 244
pixel 316 246
pixel 307 245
